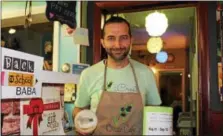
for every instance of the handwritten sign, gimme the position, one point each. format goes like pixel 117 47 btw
pixel 157 120
pixel 62 11
pixel 18 78
pixel 16 64
pixel 80 36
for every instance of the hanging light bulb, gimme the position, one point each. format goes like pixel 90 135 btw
pixel 12 31
pixel 162 57
pixel 154 44
pixel 156 24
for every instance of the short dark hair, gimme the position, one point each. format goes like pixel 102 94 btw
pixel 115 19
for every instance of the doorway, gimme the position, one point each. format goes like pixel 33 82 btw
pixel 171 87
pixel 202 44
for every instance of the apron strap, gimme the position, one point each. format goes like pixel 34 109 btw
pixel 134 74
pixel 135 78
pixel 105 74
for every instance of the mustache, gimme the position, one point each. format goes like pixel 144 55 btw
pixel 117 49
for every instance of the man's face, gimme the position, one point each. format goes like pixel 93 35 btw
pixel 117 40
pixel 49 48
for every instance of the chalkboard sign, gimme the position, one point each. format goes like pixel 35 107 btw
pixel 62 11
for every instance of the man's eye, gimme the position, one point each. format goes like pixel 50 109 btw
pixel 111 38
pixel 124 37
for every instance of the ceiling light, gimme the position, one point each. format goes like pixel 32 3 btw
pixel 12 31
pixel 162 57
pixel 156 24
pixel 188 75
pixel 154 44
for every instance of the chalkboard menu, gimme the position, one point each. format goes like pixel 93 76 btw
pixel 62 11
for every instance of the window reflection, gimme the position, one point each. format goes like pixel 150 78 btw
pixel 48 50
pixel 35 40
pixel 220 48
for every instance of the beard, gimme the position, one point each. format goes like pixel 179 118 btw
pixel 118 54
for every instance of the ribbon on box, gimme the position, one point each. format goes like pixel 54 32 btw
pixel 2 78
pixel 35 110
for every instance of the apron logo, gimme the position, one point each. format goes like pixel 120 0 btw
pixel 109 84
pixel 123 113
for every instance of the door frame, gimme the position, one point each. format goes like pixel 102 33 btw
pixel 202 42
pixel 181 70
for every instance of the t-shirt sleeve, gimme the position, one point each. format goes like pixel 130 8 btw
pixel 83 98
pixel 152 94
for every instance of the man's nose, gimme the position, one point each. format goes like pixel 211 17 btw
pixel 117 43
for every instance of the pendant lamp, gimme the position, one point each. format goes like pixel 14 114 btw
pixel 156 23
pixel 154 44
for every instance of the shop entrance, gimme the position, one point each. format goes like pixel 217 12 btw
pixel 179 45
pixel 192 101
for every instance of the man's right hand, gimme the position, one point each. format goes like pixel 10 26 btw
pixel 75 112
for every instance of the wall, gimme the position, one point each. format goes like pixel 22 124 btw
pixel 83 49
pixel 194 75
pixel 215 103
pixel 11 9
pixel 68 53
pixel 215 109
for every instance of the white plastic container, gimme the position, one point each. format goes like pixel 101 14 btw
pixel 86 121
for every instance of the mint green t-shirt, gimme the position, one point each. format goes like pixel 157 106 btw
pixel 118 80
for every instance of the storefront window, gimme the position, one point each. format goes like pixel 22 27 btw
pixel 34 38
pixel 220 48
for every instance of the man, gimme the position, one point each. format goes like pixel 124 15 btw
pixel 117 88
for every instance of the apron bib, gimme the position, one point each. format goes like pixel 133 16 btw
pixel 119 113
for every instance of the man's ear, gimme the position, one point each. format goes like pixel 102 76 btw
pixel 102 43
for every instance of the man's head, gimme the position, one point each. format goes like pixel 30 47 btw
pixel 116 38
pixel 48 46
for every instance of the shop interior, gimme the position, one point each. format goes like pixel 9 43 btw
pixel 174 77
pixel 177 78
pixel 36 34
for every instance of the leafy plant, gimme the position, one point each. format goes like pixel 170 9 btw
pixel 124 111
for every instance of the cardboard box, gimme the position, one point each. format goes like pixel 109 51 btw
pixel 157 120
